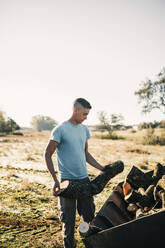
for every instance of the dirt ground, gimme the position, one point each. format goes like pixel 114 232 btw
pixel 28 211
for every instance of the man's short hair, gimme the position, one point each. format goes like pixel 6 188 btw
pixel 81 103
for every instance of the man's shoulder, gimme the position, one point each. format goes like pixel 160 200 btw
pixel 84 126
pixel 60 126
pixel 58 131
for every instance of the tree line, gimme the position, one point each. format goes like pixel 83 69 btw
pixel 38 123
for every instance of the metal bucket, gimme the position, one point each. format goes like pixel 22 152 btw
pixel 116 227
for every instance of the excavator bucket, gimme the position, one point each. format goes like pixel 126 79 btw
pixel 145 232
pixel 115 227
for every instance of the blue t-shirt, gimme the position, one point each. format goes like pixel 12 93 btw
pixel 71 149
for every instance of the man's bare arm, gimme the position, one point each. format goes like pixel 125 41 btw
pixel 50 149
pixel 90 159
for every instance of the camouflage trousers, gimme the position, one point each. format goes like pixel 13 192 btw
pixel 67 214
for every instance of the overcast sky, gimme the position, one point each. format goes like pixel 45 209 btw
pixel 53 51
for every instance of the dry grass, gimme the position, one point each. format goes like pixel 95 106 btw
pixel 28 211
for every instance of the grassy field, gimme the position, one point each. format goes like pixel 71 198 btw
pixel 28 211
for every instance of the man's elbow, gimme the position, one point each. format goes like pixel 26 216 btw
pixel 47 155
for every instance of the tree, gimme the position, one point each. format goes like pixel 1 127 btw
pixel 2 122
pixel 104 121
pixel 109 123
pixel 116 120
pixel 152 93
pixel 148 125
pixel 7 125
pixel 11 125
pixel 40 122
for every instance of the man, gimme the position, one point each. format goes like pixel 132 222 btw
pixel 70 139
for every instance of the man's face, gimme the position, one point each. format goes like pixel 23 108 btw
pixel 81 114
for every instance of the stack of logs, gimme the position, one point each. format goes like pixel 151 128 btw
pixel 145 191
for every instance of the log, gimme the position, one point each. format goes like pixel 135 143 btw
pixel 137 178
pixel 158 172
pixel 76 189
pixel 159 191
pixel 145 200
pixel 83 229
pixel 133 197
pixel 126 188
pixel 149 192
pixel 162 197
pixel 86 230
pixel 161 183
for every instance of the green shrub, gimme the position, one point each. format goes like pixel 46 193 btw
pixel 111 135
pixel 18 133
pixel 136 150
pixel 2 134
pixel 5 140
pixel 151 139
pixel 162 137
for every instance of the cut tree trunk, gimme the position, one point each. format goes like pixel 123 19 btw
pixel 76 189
pixel 137 178
pixel 83 229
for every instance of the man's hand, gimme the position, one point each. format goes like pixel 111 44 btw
pixel 56 188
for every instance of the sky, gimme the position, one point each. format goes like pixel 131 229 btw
pixel 53 51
